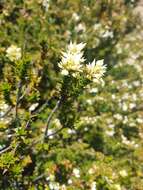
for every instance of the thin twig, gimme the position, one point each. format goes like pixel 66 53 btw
pixel 27 124
pixel 35 114
pixel 5 149
pixel 50 117
pixel 43 107
pixel 15 149
pixel 54 133
pixel 38 178
pixel 17 98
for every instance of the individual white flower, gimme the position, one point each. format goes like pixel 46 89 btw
pixel 86 129
pixel 113 96
pixel 5 120
pixel 118 116
pixel 93 185
pixel 3 106
pixel 139 120
pixel 124 107
pixel 80 27
pixel 72 59
pixel 46 4
pixel 110 133
pixel 91 171
pixel 64 72
pixel 97 26
pixel 89 101
pixel 117 187
pixel 33 106
pixel 132 105
pixel 125 120
pixel 125 140
pixel 134 97
pixel 71 131
pixel 75 16
pixel 95 70
pixel 76 172
pixel 136 83
pixel 51 177
pixel 94 90
pixel 76 48
pixel 108 34
pixel 1 114
pixel 13 53
pixel 125 96
pixel 132 124
pixel 63 187
pixel 69 181
pixel 54 186
pixel 50 132
pixel 123 173
pixel 111 126
pixel 128 142
pixel 57 122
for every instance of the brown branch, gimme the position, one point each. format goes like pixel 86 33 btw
pixel 17 99
pixel 50 117
pixel 56 132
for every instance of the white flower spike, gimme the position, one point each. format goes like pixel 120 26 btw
pixel 72 59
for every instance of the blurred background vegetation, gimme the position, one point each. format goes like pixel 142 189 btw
pixel 95 143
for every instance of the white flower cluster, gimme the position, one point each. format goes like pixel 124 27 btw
pixel 93 185
pixel 72 60
pixel 76 172
pixel 103 31
pixel 123 173
pixel 46 4
pixel 53 185
pixel 128 142
pixel 13 53
pixel 95 70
